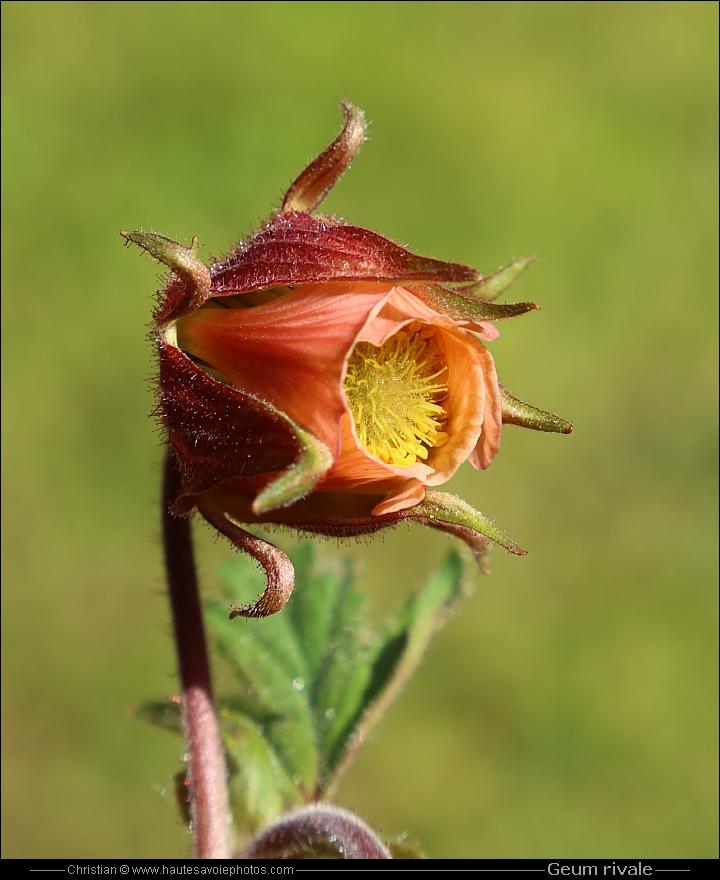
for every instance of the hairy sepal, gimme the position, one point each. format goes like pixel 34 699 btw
pixel 524 415
pixel 218 432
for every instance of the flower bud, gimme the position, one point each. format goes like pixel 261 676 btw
pixel 324 378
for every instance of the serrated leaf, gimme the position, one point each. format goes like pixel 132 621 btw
pixel 396 655
pixel 267 659
pixel 316 679
pixel 319 591
pixel 260 786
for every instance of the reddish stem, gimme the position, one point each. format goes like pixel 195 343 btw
pixel 206 761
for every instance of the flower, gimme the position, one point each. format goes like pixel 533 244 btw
pixel 399 394
pixel 325 378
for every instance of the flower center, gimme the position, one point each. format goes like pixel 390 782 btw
pixel 394 393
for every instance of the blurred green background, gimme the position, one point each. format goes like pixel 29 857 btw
pixel 569 710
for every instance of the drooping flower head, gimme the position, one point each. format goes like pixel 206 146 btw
pixel 324 378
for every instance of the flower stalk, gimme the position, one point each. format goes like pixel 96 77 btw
pixel 209 808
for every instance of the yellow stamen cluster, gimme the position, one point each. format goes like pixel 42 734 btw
pixel 394 393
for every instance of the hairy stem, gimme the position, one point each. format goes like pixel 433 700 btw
pixel 208 784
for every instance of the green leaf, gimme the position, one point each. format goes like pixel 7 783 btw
pixel 396 655
pixel 314 680
pixel 260 786
pixel 270 662
pixel 327 613
pixel 320 680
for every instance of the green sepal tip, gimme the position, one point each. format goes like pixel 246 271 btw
pixel 493 286
pixel 300 478
pixel 517 412
pixel 184 261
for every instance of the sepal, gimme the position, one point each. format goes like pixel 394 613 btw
pixel 517 412
pixel 279 571
pixel 314 461
pixel 219 432
pixel 316 181
pixel 461 307
pixel 493 286
pixel 342 515
pixel 191 272
pixel 296 248
pixel 451 514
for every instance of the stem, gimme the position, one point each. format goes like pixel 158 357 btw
pixel 206 761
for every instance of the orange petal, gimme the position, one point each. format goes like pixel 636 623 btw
pixel 407 494
pixel 489 442
pixel 466 378
pixel 290 351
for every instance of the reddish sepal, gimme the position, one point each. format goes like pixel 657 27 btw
pixel 216 431
pixel 295 248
